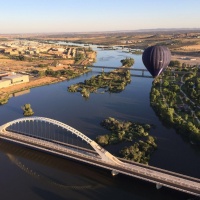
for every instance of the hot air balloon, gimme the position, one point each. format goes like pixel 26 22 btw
pixel 156 58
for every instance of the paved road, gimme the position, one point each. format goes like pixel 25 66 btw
pixel 154 175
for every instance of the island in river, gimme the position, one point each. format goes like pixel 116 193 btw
pixel 114 81
pixel 141 144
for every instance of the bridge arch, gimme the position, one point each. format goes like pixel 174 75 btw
pixel 105 155
pixel 52 121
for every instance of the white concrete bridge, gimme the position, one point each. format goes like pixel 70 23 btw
pixel 97 157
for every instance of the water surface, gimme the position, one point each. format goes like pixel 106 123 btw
pixel 48 177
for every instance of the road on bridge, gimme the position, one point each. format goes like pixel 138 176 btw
pixel 178 182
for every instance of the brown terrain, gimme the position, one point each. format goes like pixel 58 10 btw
pixel 184 45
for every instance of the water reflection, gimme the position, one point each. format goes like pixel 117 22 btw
pixel 64 179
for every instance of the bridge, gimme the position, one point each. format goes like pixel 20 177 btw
pixel 143 71
pixel 57 138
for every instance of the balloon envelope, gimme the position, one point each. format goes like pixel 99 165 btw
pixel 156 58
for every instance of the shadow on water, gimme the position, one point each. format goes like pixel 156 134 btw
pixel 45 194
pixel 70 179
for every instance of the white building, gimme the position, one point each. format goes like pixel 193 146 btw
pixel 16 79
pixel 5 83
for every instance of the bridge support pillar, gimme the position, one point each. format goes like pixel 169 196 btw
pixel 142 72
pixel 158 186
pixel 114 173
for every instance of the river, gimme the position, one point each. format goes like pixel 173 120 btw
pixel 33 175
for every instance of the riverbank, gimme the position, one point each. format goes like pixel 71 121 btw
pixel 175 99
pixel 5 93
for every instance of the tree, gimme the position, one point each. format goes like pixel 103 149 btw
pixel 165 83
pixel 78 57
pixel 127 62
pixel 41 73
pixel 174 63
pixel 85 93
pixel 186 116
pixel 183 65
pixel 102 140
pixel 21 57
pixel 27 110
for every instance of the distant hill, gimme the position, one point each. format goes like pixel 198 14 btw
pixel 110 32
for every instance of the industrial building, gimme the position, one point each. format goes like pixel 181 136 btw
pixel 3 74
pixel 5 83
pixel 13 80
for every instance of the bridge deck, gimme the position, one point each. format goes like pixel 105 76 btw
pixel 107 67
pixel 165 178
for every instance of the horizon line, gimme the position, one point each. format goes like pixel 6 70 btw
pixel 93 32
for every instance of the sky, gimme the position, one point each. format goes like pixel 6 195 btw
pixel 43 16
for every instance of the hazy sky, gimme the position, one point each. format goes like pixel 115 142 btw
pixel 31 16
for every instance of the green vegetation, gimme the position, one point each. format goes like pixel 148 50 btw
pixel 176 98
pixel 136 133
pixel 174 63
pixel 4 97
pixel 113 82
pixel 140 151
pixel 79 57
pixel 67 73
pixel 20 57
pixel 3 101
pixel 177 64
pixel 192 87
pixel 85 93
pixel 42 65
pixel 27 110
pixel 128 62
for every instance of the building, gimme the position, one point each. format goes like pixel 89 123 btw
pixel 3 74
pixel 16 79
pixel 5 83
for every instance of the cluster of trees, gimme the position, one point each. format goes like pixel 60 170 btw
pixel 111 81
pixel 27 110
pixel 175 108
pixel 58 73
pixel 20 58
pixel 128 62
pixel 178 64
pixel 85 93
pixel 140 151
pixel 126 131
pixel 122 131
pixel 174 63
pixel 78 57
pixel 42 65
pixel 192 87
pixel 4 99
pixel 50 72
